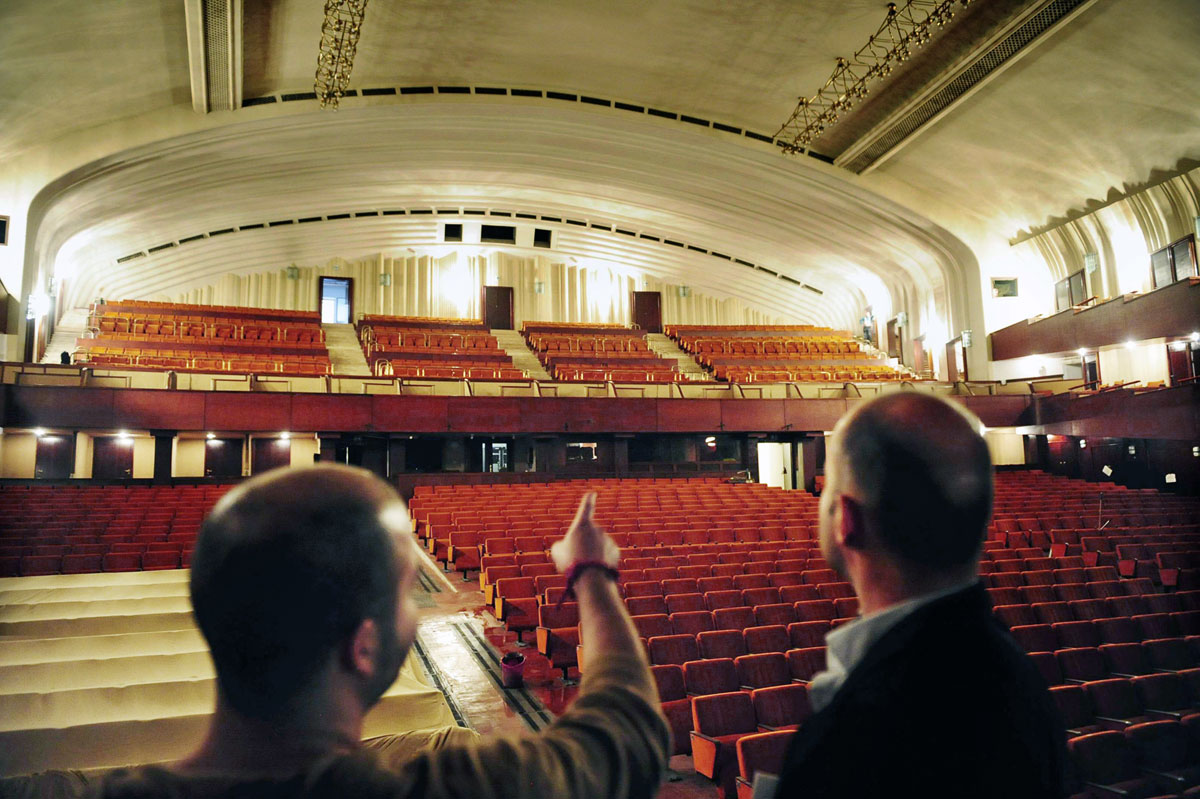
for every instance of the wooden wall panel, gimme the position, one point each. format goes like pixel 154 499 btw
pixel 250 412
pixel 409 414
pixel 320 412
pixel 43 406
pixel 752 415
pixel 482 414
pixel 689 416
pixel 815 414
pixel 158 410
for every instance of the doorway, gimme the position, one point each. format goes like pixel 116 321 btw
pixel 895 340
pixel 336 295
pixel 776 467
pixel 269 453
pixel 498 307
pixel 647 311
pixel 956 361
pixel 55 457
pixel 112 458
pixel 223 458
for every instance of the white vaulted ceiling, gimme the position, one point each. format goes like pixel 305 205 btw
pixel 95 102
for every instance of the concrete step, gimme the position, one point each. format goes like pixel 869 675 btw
pixel 665 348
pixel 523 358
pixel 72 326
pixel 345 352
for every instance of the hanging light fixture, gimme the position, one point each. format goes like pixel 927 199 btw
pixel 339 42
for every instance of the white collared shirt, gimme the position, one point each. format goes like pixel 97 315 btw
pixel 846 646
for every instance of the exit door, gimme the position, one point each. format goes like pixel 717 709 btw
pixel 647 311
pixel 498 307
pixel 335 300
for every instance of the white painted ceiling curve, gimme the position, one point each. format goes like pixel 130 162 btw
pixel 798 218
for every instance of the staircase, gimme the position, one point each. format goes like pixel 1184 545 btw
pixel 345 353
pixel 72 326
pixel 522 357
pixel 668 350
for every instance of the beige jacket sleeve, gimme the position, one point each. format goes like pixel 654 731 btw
pixel 612 742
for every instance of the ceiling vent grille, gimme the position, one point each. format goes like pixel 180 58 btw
pixel 1012 44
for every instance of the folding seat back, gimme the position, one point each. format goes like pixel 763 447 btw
pixel 723 599
pixel 744 581
pixel 1075 709
pixel 1102 589
pixel 783 578
pixel 678 649
pixel 81 563
pixel 157 561
pixel 767 638
pixel 1105 759
pixel 643 605
pixel 781 706
pixel 733 618
pixel 760 596
pixel 724 714
pixel 1076 575
pixel 762 752
pixel 1047 666
pixel 804 663
pixel 1010 615
pixel 1034 594
pixel 1040 577
pixel 1117 631
pixel 691 622
pixel 846 607
pixel 1053 612
pixel 642 588
pixel 761 670
pixel 1035 637
pixel 721 644
pixel 1166 694
pixel 653 624
pixel 1115 702
pixel 1081 664
pixel 122 561
pixel 564 615
pixel 32 565
pixel 1157 625
pixel 681 603
pixel 1089 609
pixel 679 585
pixel 1076 634
pixel 1169 654
pixel 835 590
pixel 706 677
pixel 1005 596
pixel 1125 660
pixel 1163 747
pixel 709 584
pixel 805 634
pixel 1070 592
pixel 815 610
pixel 778 613
pixel 1126 606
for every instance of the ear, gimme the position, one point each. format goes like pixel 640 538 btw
pixel 850 523
pixel 362 649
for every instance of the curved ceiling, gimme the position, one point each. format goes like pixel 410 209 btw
pixel 803 221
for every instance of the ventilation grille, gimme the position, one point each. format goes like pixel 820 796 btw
pixel 600 226
pixel 1038 24
pixel 218 81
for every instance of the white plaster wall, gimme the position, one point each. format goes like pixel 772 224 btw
pixel 188 457
pixel 1007 448
pixel 83 456
pixel 143 458
pixel 1144 362
pixel 19 455
pixel 772 459
pixel 303 450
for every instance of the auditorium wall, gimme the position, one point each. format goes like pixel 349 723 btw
pixel 1122 234
pixel 304 451
pixel 83 456
pixel 19 455
pixel 1006 446
pixel 188 457
pixel 1144 362
pixel 448 284
pixel 143 457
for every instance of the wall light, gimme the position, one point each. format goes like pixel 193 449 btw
pixel 1170 478
pixel 1107 471
pixel 1083 443
pixel 1081 352
pixel 1195 336
pixel 1129 345
pixel 210 436
pixel 285 436
pixel 39 432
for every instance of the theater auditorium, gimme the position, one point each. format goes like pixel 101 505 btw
pixel 503 254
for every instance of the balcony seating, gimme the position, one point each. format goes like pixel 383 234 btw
pixel 445 349
pixel 184 337
pixel 597 352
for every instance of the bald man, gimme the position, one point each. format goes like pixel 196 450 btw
pixel 925 694
pixel 301 583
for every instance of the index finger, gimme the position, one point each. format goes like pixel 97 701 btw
pixel 584 512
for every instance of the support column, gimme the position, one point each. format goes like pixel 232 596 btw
pixel 621 455
pixel 164 441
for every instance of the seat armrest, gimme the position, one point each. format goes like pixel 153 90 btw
pixel 767 728
pixel 1107 789
pixel 1172 715
pixel 1111 720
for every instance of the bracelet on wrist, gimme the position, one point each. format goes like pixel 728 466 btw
pixel 579 567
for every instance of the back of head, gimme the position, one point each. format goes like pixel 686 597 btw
pixel 285 568
pixel 924 475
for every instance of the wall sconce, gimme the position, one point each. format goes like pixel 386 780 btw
pixel 539 287
pixel 293 272
pixel 385 279
pixel 685 291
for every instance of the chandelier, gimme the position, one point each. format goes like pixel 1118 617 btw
pixel 903 31
pixel 339 41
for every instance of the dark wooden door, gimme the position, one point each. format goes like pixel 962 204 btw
pixel 647 311
pixel 112 458
pixel 919 356
pixel 895 341
pixel 956 362
pixel 269 453
pixel 498 307
pixel 223 458
pixel 55 457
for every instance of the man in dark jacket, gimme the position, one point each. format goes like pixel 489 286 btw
pixel 924 695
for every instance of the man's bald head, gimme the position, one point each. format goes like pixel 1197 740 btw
pixel 921 471
pixel 285 569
